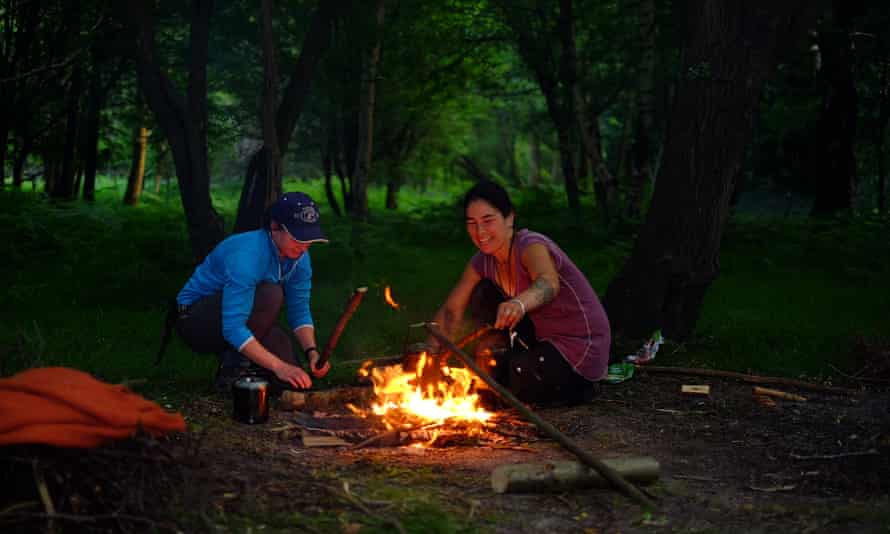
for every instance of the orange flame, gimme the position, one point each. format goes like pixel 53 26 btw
pixel 400 399
pixel 387 296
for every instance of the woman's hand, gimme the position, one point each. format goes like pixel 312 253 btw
pixel 509 314
pixel 314 356
pixel 293 375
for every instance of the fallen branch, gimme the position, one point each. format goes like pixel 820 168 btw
pixel 608 473
pixel 753 379
pixel 870 452
pixel 354 499
pixel 778 394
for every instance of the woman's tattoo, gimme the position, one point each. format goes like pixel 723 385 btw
pixel 542 291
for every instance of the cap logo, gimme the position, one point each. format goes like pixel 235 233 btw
pixel 308 215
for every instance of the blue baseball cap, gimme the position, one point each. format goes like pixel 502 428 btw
pixel 298 213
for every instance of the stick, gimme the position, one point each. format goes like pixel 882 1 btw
pixel 753 379
pixel 608 473
pixel 351 306
pixel 778 394
pixel 870 452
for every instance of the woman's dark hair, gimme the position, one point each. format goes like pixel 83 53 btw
pixel 492 193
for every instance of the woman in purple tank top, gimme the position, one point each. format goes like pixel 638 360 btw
pixel 553 340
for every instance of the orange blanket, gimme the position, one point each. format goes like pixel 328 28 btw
pixel 69 408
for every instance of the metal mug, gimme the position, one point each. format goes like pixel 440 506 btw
pixel 250 396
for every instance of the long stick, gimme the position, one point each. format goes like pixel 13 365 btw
pixel 753 379
pixel 351 306
pixel 605 471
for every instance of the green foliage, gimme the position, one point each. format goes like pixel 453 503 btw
pixel 86 284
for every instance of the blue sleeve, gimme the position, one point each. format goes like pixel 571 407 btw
pixel 237 298
pixel 296 294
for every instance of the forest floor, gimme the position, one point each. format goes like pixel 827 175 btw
pixel 728 464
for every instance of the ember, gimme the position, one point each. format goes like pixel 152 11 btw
pixel 401 399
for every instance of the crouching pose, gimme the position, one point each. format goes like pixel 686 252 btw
pixel 555 338
pixel 231 303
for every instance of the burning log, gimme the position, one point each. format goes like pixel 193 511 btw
pixel 351 306
pixel 568 475
pixel 615 479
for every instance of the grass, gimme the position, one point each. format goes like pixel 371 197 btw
pixel 85 285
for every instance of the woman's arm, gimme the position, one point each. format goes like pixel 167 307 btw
pixel 536 259
pixel 452 310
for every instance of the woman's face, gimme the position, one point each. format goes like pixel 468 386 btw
pixel 488 228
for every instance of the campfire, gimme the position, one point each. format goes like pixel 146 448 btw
pixel 403 398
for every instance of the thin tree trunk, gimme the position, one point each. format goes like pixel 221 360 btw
pixel 367 100
pixel 392 188
pixel 534 158
pixel 835 169
pixel 327 164
pixel 183 119
pixel 641 172
pixel 881 132
pixel 136 178
pixel 64 184
pixel 731 50
pixel 91 138
pixel 257 194
pixel 272 151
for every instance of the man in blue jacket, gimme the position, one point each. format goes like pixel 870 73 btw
pixel 230 305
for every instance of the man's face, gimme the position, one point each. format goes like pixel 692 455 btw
pixel 288 247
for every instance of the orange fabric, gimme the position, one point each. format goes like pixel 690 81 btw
pixel 69 408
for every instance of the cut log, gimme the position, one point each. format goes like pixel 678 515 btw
pixel 778 394
pixel 324 399
pixel 566 475
pixel 695 390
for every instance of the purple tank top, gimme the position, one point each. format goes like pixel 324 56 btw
pixel 574 321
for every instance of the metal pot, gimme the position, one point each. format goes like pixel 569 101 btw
pixel 250 396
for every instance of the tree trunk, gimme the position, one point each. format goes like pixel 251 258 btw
pixel 328 167
pixel 835 164
pixel 392 188
pixel 731 50
pixel 881 132
pixel 183 120
pixel 26 142
pixel 64 183
pixel 136 178
pixel 534 158
pixel 272 165
pixel 91 138
pixel 641 168
pixel 258 194
pixel 367 99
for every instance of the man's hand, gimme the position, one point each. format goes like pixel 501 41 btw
pixel 314 355
pixel 293 375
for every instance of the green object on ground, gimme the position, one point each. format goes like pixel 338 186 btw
pixel 619 372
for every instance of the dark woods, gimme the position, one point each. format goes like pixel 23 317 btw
pixel 662 115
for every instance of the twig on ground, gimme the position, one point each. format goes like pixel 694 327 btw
pixel 357 502
pixel 45 497
pixel 13 508
pixel 694 477
pixel 860 378
pixel 869 452
pixel 753 379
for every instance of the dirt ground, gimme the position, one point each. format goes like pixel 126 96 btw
pixel 728 464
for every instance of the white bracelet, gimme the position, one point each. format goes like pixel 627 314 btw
pixel 521 305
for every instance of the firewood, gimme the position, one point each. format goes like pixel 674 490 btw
pixel 778 394
pixel 324 399
pixel 310 440
pixel 696 390
pixel 615 479
pixel 562 476
pixel 765 401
